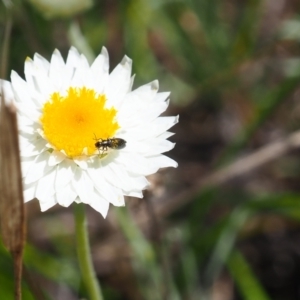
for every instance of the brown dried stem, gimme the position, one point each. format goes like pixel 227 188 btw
pixel 11 192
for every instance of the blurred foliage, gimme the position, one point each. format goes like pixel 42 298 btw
pixel 233 69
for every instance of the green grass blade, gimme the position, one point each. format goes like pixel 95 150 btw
pixel 247 283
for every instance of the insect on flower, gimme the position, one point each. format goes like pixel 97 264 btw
pixel 113 143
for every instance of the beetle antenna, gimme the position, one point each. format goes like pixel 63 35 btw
pixel 95 137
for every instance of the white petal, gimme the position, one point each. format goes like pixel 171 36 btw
pixel 29 73
pixel 83 186
pixel 136 115
pixel 39 168
pixel 162 161
pixel 140 97
pixel 56 72
pixel 71 65
pixel 82 75
pixel 33 149
pixel 119 82
pixel 29 191
pixel 29 125
pixel 135 163
pixel 139 183
pixel 26 164
pixel 31 95
pixel 106 190
pixel 45 186
pixel 160 97
pixel 137 194
pixel 65 173
pixel 123 180
pixel 77 79
pixel 146 92
pixel 37 79
pixel 6 89
pixel 166 135
pixel 164 123
pixel 153 129
pixel 66 196
pixel 27 137
pixel 84 68
pixel 100 69
pixel 157 146
pixel 48 203
pixel 56 157
pixel 100 205
pixel 73 58
pixel 57 62
pixel 131 83
pixel 30 113
pixel 116 176
pixel 81 162
pixel 118 199
pixel 41 63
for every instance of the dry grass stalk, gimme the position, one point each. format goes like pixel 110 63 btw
pixel 11 192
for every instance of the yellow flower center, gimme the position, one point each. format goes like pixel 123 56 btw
pixel 73 122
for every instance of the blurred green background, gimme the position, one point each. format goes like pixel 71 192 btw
pixel 233 69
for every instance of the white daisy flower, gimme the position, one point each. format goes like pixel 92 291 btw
pixel 85 136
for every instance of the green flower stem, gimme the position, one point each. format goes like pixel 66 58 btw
pixel 84 254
